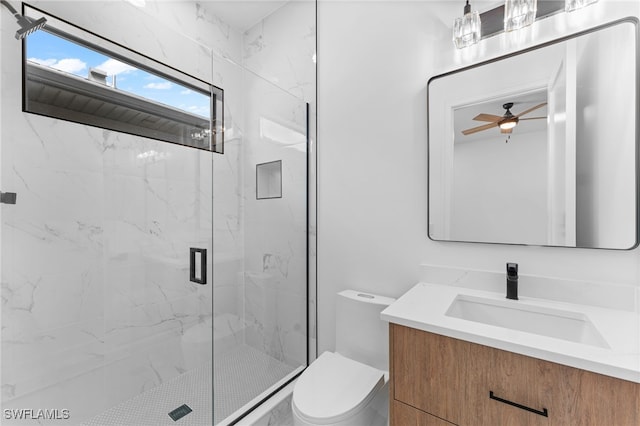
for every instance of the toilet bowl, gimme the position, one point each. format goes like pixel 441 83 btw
pixel 348 387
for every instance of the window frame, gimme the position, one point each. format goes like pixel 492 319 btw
pixel 68 31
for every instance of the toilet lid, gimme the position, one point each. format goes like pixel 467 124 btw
pixel 333 388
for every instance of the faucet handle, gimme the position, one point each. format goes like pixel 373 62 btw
pixel 512 270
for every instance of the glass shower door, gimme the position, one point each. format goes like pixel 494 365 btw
pixel 99 314
pixel 102 323
pixel 260 238
pixel 158 283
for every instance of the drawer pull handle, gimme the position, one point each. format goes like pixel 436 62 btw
pixel 544 411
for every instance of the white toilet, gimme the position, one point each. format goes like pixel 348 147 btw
pixel 348 387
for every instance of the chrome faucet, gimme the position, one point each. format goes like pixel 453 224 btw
pixel 512 281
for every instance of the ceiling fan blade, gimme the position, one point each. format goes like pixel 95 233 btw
pixel 488 117
pixel 479 128
pixel 531 109
pixel 533 118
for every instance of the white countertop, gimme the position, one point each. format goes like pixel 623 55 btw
pixel 425 305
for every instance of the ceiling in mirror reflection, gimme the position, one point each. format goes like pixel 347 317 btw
pixel 463 117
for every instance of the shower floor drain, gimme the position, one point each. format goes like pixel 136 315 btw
pixel 180 412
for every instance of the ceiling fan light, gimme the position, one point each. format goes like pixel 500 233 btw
pixel 509 123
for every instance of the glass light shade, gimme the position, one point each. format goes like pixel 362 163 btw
pixel 571 5
pixel 466 30
pixel 519 13
pixel 508 124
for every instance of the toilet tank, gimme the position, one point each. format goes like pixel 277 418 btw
pixel 360 333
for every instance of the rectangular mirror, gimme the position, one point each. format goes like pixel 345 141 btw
pixel 539 147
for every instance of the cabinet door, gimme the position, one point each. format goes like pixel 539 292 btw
pixel 431 372
pixel 601 400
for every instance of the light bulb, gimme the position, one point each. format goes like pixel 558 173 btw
pixel 519 13
pixel 508 123
pixel 466 30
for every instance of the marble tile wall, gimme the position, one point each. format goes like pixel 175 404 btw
pixel 95 291
pixel 280 50
pixel 275 229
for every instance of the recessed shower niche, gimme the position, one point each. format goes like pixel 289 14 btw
pixel 269 180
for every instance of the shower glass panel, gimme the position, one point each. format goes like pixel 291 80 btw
pixel 260 256
pixel 101 323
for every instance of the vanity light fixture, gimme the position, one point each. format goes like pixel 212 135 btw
pixel 519 13
pixel 571 5
pixel 466 30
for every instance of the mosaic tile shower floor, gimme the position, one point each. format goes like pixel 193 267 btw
pixel 242 374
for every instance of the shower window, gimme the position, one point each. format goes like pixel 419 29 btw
pixel 74 75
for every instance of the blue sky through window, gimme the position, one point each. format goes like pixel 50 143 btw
pixel 61 54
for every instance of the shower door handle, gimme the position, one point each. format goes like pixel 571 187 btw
pixel 195 254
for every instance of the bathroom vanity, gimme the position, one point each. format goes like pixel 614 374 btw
pixel 448 370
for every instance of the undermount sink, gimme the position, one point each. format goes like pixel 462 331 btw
pixel 516 315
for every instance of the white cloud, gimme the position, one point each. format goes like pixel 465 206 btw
pixel 46 62
pixel 70 65
pixel 200 110
pixel 113 67
pixel 159 86
pixel 186 92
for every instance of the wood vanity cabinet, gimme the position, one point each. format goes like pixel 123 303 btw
pixel 439 381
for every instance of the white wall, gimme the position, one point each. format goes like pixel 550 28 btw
pixel 500 189
pixel 374 61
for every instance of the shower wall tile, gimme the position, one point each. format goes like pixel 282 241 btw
pixel 132 370
pixel 228 214
pixel 228 168
pixel 151 31
pixel 196 20
pixel 85 390
pixel 34 360
pixel 159 198
pixel 281 49
pixel 51 255
pixel 275 229
pixel 105 285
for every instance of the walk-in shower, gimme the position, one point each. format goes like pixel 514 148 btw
pixel 144 280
